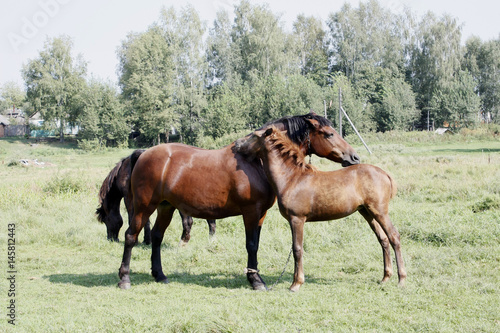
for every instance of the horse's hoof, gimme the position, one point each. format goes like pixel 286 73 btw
pixel 183 243
pixel 163 281
pixel 260 287
pixel 124 285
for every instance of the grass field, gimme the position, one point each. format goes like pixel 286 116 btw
pixel 447 211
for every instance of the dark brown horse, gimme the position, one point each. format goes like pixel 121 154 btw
pixel 306 194
pixel 115 188
pixel 213 184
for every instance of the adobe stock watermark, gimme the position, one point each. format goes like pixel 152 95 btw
pixel 31 25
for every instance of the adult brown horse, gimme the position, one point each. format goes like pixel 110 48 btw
pixel 115 187
pixel 306 194
pixel 213 184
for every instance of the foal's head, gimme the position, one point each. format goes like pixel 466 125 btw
pixel 271 140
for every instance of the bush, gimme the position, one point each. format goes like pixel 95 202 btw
pixel 90 145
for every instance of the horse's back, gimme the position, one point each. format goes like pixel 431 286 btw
pixel 200 182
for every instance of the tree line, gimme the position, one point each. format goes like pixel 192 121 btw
pixel 184 78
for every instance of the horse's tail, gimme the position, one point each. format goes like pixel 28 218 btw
pixel 394 187
pixel 108 192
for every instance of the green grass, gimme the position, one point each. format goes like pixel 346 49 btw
pixel 447 211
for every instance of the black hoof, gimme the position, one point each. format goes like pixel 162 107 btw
pixel 164 281
pixel 256 281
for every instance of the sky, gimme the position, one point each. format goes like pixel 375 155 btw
pixel 97 27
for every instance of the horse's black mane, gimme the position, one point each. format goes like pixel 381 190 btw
pixel 297 127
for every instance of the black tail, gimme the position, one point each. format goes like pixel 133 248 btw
pixel 110 192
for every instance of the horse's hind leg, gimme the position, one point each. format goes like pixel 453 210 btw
pixel 211 227
pixel 165 212
pixel 394 238
pixel 383 240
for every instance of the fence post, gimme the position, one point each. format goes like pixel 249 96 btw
pixel 340 112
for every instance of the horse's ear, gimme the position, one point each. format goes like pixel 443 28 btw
pixel 311 112
pixel 268 132
pixel 313 123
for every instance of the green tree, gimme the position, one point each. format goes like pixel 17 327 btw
pixel 183 33
pixel 11 97
pixel 259 41
pixel 363 38
pixel 103 116
pixel 146 81
pixel 54 82
pixel 455 101
pixel 396 109
pixel 221 55
pixel 435 60
pixel 311 48
pixel 482 60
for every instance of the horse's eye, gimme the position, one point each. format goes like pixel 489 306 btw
pixel 329 135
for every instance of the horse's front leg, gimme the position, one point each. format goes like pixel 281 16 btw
pixel 297 226
pixel 137 221
pixel 253 226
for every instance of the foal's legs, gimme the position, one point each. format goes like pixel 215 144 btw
pixel 165 212
pixel 137 221
pixel 383 240
pixel 393 235
pixel 297 226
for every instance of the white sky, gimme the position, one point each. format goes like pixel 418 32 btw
pixel 97 27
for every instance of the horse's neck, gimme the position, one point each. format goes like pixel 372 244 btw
pixel 279 170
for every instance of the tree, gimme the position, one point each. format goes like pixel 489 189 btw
pixel 311 48
pixel 220 55
pixel 363 38
pixel 54 81
pixel 259 42
pixel 183 33
pixel 455 102
pixel 482 60
pixel 103 116
pixel 146 81
pixel 12 96
pixel 435 60
pixel 396 109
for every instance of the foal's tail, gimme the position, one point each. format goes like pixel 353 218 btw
pixel 394 187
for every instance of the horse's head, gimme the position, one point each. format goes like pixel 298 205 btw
pixel 325 142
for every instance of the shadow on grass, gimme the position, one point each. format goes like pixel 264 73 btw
pixel 208 280
pixel 216 280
